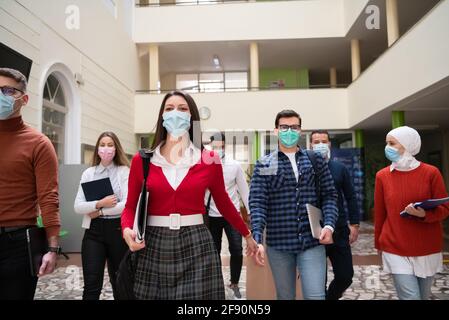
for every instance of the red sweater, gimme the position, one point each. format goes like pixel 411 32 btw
pixel 188 198
pixel 393 192
pixel 28 177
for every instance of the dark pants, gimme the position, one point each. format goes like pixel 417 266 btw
pixel 216 226
pixel 340 255
pixel 16 282
pixel 102 243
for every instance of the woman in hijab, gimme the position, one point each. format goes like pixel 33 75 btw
pixel 411 246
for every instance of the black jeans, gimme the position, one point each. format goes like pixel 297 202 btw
pixel 340 255
pixel 102 243
pixel 16 281
pixel 216 226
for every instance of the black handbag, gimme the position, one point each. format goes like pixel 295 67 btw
pixel 126 272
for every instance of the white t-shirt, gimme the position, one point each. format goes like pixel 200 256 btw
pixel 292 158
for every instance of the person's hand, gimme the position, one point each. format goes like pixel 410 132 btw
pixel 417 212
pixel 107 202
pixel 130 239
pixel 259 257
pixel 326 236
pixel 251 246
pixel 354 233
pixel 94 215
pixel 48 264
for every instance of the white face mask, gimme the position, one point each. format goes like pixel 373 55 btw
pixel 324 149
pixel 176 122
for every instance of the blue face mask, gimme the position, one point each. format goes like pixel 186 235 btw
pixel 176 122
pixel 6 106
pixel 322 148
pixel 289 138
pixel 392 154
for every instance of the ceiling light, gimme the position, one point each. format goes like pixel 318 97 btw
pixel 216 61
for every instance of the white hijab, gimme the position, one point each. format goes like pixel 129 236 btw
pixel 410 139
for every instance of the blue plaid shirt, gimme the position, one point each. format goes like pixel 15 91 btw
pixel 278 202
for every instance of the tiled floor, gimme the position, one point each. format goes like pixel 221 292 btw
pixel 369 282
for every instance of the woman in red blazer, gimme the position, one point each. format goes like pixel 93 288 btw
pixel 178 259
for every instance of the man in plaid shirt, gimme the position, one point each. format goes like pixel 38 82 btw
pixel 282 184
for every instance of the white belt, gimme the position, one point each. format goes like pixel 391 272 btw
pixel 175 220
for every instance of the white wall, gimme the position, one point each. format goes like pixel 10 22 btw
pixel 416 61
pixel 352 10
pixel 241 21
pixel 238 111
pixel 101 51
pixel 101 37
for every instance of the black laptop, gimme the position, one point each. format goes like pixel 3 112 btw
pixel 97 189
pixel 37 248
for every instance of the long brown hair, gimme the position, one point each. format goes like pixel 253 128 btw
pixel 120 158
pixel 161 132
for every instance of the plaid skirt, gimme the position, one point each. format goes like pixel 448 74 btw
pixel 179 265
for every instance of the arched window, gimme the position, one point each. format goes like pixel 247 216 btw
pixel 54 113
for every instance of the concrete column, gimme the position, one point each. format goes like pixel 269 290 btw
pixel 355 59
pixel 392 21
pixel 397 119
pixel 333 77
pixel 254 66
pixel 154 67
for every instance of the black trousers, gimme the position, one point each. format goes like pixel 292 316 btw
pixel 16 281
pixel 102 243
pixel 340 256
pixel 216 227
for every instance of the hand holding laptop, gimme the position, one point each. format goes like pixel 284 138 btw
pixel 108 202
pixel 316 221
pixel 418 209
pixel 130 238
pixel 415 211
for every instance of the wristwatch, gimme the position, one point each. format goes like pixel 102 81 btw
pixel 56 250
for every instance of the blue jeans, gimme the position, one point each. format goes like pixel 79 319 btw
pixel 311 265
pixel 410 287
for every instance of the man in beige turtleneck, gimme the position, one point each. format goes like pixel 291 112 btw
pixel 28 181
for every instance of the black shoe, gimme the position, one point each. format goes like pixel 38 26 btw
pixel 236 292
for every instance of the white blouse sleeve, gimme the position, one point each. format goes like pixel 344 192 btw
pixel 82 206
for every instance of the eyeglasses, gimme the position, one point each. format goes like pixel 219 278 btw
pixel 293 127
pixel 12 92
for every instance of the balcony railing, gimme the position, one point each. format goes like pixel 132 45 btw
pixel 144 4
pixel 198 89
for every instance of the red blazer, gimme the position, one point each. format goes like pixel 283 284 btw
pixel 188 198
